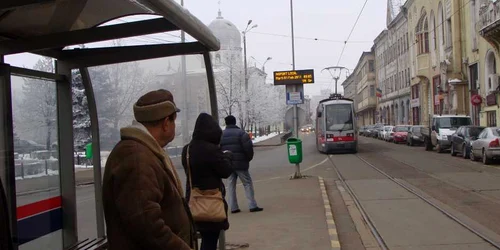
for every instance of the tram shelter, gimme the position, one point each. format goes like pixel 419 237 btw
pixel 48 27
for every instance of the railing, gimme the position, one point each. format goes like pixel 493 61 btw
pixel 489 14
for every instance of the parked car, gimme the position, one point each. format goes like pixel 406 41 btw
pixel 362 130
pixel 384 132
pixel 368 130
pixel 376 130
pixel 461 140
pixel 440 129
pixel 487 145
pixel 399 134
pixel 414 136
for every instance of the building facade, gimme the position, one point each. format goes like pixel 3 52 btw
pixel 364 76
pixel 483 57
pixel 393 72
pixel 438 83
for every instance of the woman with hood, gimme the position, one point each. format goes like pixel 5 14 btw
pixel 208 166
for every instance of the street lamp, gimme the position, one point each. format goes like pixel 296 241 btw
pixel 247 29
pixel 264 64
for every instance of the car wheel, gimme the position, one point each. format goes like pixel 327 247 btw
pixel 453 153
pixel 465 153
pixel 438 148
pixel 486 160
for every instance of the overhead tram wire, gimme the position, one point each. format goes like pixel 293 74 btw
pixel 307 38
pixel 352 30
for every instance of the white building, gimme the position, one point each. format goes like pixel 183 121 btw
pixel 393 72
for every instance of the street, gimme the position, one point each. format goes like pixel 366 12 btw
pixel 468 194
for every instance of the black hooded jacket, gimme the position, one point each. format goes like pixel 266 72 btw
pixel 208 164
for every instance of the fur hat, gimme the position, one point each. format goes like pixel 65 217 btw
pixel 154 106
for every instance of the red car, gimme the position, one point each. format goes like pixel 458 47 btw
pixel 399 133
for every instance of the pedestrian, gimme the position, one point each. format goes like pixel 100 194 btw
pixel 206 165
pixel 239 143
pixel 143 197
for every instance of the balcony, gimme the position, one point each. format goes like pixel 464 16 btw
pixel 370 102
pixel 423 64
pixel 489 23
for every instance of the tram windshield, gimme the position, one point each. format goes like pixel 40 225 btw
pixel 339 117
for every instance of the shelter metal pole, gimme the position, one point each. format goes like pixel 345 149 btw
pixel 96 150
pixel 66 159
pixel 8 139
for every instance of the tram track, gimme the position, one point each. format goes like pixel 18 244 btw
pixel 366 217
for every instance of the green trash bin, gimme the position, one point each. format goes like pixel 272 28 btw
pixel 88 151
pixel 294 148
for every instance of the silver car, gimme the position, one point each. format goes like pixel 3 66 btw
pixel 486 146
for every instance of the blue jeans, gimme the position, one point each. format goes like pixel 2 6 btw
pixel 245 178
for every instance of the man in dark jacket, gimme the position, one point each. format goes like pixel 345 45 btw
pixel 143 197
pixel 239 143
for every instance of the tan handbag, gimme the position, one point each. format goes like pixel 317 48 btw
pixel 205 205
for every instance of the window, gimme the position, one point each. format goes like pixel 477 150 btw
pixel 492 118
pixel 371 66
pixel 436 81
pixel 452 122
pixel 448 32
pixel 372 90
pixel 339 117
pixel 422 34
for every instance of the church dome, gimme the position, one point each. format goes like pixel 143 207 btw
pixel 227 33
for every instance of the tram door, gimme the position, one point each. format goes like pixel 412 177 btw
pixel 31 171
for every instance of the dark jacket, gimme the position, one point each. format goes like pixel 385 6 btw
pixel 208 164
pixel 143 200
pixel 239 143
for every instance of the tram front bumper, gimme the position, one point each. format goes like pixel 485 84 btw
pixel 340 146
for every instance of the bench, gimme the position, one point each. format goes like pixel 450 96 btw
pixel 88 244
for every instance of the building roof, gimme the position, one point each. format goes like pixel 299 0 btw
pixel 227 33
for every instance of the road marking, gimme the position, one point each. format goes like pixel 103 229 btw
pixel 315 165
pixel 281 177
pixel 330 222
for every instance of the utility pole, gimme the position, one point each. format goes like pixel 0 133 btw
pixel 336 78
pixel 247 29
pixel 185 121
pixel 297 174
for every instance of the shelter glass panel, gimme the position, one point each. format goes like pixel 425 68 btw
pixel 39 212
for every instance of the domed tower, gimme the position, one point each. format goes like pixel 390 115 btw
pixel 230 42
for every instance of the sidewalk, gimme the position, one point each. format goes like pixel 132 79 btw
pixel 293 217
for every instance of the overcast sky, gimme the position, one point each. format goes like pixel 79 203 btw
pixel 330 21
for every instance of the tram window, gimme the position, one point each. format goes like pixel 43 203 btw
pixel 339 117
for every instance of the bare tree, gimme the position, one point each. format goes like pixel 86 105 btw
pixel 38 110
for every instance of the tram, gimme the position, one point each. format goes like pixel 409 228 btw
pixel 335 125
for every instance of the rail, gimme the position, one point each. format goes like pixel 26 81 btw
pixel 286 136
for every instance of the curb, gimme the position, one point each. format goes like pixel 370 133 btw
pixel 330 222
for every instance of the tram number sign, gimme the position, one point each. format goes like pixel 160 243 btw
pixel 292 77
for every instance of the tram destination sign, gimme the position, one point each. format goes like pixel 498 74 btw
pixel 293 77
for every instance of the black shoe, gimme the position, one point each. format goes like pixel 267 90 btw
pixel 257 209
pixel 235 211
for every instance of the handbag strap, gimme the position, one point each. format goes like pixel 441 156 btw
pixel 189 168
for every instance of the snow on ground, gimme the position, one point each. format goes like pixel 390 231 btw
pixel 104 158
pixel 265 137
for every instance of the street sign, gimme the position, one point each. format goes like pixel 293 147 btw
pixel 293 77
pixel 293 98
pixel 294 94
pixel 301 116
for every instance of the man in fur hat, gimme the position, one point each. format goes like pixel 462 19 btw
pixel 143 196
